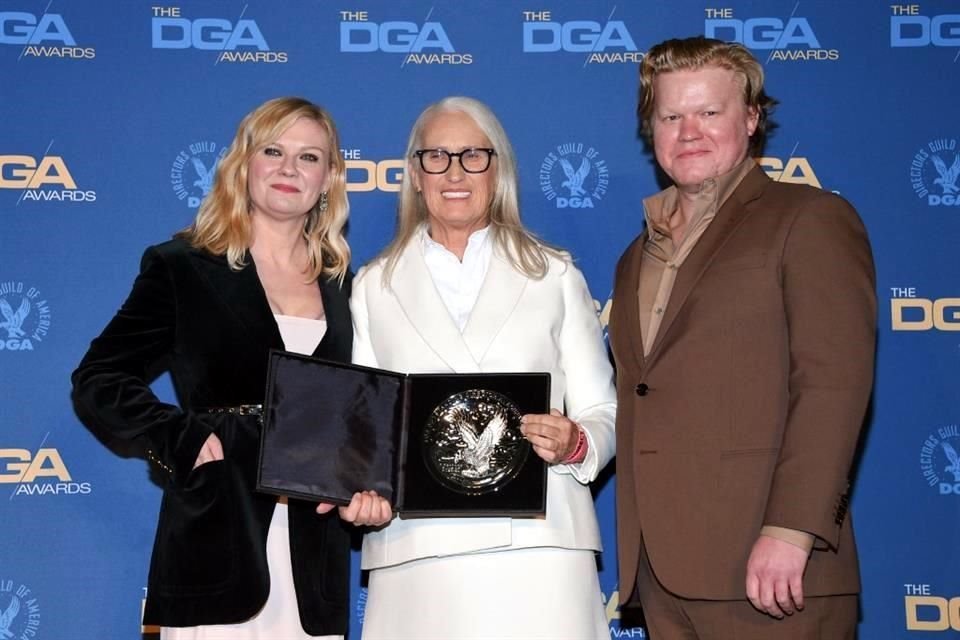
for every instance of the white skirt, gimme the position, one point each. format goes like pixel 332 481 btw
pixel 545 593
pixel 279 618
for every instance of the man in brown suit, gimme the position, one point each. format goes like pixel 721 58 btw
pixel 743 327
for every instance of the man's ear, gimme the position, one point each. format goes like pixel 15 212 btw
pixel 753 120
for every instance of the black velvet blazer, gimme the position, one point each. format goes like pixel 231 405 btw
pixel 212 328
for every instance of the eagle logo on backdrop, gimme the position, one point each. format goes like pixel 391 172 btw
pixel 948 176
pixel 13 320
pixel 934 172
pixel 24 317
pixel 19 611
pixel 574 181
pixel 204 176
pixel 954 466
pixel 8 616
pixel 193 170
pixel 940 460
pixel 574 176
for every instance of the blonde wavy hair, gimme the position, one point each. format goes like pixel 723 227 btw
pixel 691 54
pixel 223 225
pixel 525 252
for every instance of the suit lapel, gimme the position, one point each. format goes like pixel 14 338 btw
pixel 731 214
pixel 501 290
pixel 241 293
pixel 337 311
pixel 421 303
pixel 627 309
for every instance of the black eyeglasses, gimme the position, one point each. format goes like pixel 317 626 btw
pixel 473 160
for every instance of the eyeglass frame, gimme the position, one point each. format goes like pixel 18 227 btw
pixel 459 156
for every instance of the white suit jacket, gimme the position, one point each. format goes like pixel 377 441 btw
pixel 517 325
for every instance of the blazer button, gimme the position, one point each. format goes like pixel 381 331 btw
pixel 642 389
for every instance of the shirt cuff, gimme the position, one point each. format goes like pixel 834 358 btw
pixel 795 537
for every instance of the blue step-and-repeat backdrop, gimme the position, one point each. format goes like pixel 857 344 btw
pixel 114 112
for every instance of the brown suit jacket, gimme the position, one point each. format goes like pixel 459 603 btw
pixel 747 410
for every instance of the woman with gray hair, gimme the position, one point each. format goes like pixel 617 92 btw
pixel 465 288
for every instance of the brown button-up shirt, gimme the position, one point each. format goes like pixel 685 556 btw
pixel 662 257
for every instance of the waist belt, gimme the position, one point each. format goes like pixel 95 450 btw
pixel 238 410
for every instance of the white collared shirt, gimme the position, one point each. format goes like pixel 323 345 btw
pixel 458 282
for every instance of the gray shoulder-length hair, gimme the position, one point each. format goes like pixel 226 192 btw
pixel 523 249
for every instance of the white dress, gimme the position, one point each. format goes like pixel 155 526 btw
pixel 279 619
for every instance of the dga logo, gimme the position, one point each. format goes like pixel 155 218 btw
pixel 46 36
pixel 19 611
pixel 795 170
pixel 910 29
pixel 24 317
pixel 38 475
pixel 611 605
pixel 934 173
pixel 940 460
pixel 790 40
pixel 911 313
pixel 191 175
pixel 42 180
pixel 240 42
pixel 420 44
pixel 926 611
pixel 603 42
pixel 370 175
pixel 574 176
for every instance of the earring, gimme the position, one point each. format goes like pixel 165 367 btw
pixel 322 203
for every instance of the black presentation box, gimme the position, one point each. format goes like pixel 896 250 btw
pixel 434 445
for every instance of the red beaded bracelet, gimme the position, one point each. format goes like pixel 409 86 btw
pixel 580 451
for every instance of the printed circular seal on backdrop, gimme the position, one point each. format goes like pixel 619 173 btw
pixel 472 442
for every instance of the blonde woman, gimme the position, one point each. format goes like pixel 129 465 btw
pixel 265 265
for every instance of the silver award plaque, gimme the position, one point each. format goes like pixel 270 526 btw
pixel 472 442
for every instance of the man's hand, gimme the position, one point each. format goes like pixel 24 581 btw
pixel 775 576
